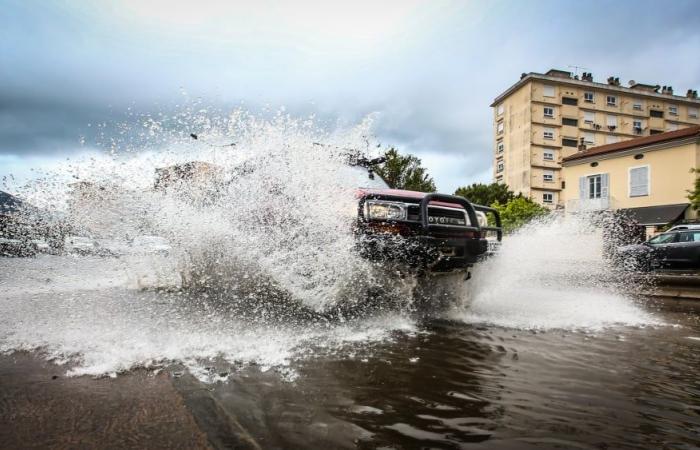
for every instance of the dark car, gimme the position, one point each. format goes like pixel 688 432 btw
pixel 675 249
pixel 426 232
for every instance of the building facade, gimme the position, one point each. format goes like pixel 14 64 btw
pixel 648 178
pixel 544 118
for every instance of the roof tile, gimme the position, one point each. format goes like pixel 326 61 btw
pixel 637 142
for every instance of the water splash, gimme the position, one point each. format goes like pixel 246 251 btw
pixel 552 274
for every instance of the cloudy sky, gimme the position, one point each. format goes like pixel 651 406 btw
pixel 429 69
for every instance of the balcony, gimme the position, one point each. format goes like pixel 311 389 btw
pixel 589 204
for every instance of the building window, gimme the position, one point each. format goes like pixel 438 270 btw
pixel 499 128
pixel 655 131
pixel 671 126
pixel 612 122
pixel 569 101
pixel 548 176
pixel 595 186
pixel 588 97
pixel 548 155
pixel 656 113
pixel 673 110
pixel 547 197
pixel 588 116
pixel 637 126
pixel 692 113
pixel 500 109
pixel 568 121
pixel 638 105
pixel 569 142
pixel 612 100
pixel 610 139
pixel 548 90
pixel 639 181
pixel 588 138
pixel 500 147
pixel 548 111
pixel 548 133
pixel 499 167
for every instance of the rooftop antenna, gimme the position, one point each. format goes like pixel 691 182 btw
pixel 577 68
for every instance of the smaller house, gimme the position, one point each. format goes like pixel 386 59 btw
pixel 647 178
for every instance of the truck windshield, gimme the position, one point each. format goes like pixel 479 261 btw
pixel 359 175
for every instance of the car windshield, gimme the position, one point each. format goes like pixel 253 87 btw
pixel 360 177
pixel 663 238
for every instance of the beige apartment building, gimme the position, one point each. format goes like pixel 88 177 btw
pixel 544 118
pixel 647 178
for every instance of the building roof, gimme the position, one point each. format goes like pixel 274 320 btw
pixel 558 76
pixel 669 136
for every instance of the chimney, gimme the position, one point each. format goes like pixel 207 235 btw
pixel 614 81
pixel 692 94
pixel 581 145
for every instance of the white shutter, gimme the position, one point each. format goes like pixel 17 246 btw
pixel 589 116
pixel 548 90
pixel 639 181
pixel 604 178
pixel 612 121
pixel 588 137
pixel 610 139
pixel 582 185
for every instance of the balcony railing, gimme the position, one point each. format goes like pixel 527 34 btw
pixel 589 204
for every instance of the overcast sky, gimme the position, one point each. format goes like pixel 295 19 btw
pixel 429 68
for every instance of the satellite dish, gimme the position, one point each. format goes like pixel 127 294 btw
pixel 632 82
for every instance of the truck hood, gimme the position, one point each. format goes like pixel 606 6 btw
pixel 400 193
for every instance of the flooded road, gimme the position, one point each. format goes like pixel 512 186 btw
pixel 191 374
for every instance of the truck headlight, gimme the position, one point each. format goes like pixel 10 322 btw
pixel 481 218
pixel 383 210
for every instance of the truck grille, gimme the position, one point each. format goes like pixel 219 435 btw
pixel 440 215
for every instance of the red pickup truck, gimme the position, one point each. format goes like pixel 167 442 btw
pixel 425 231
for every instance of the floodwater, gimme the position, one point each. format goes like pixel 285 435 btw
pixel 251 321
pixel 453 379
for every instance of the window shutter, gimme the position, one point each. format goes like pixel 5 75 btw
pixel 612 121
pixel 604 185
pixel 582 188
pixel 639 181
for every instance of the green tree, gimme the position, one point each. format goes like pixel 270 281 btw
pixel 518 212
pixel 405 172
pixel 486 194
pixel 694 195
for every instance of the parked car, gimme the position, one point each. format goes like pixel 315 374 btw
pixel 672 249
pixel 687 226
pixel 151 245
pixel 426 232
